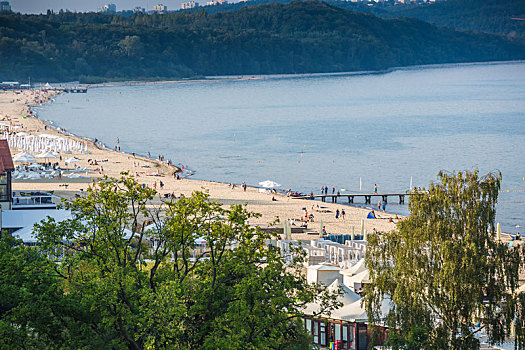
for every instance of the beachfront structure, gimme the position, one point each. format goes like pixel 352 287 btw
pixel 323 273
pixel 139 9
pixel 347 326
pixel 188 5
pixel 6 168
pixel 4 6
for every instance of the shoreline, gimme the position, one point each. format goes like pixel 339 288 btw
pixel 246 77
pixel 16 106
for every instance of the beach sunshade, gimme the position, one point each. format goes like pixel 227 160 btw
pixel 72 160
pixel 46 155
pixel 269 184
pixel 24 157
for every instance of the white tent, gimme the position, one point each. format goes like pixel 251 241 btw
pixel 357 268
pixel 356 312
pixel 355 282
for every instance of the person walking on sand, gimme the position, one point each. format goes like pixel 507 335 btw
pixel 343 214
pixel 337 214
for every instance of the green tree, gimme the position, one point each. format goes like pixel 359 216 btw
pixel 237 293
pixel 35 311
pixel 444 268
pixel 130 45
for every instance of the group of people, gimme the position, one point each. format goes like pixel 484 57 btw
pixel 324 190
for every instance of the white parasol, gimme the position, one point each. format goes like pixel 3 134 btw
pixel 269 184
pixel 24 157
pixel 72 160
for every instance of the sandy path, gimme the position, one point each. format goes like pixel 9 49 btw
pixel 13 108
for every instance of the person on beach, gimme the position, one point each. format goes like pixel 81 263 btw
pixel 343 214
pixel 337 214
pixel 384 207
pixel 379 206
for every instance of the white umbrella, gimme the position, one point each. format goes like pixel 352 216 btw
pixel 269 184
pixel 46 155
pixel 24 157
pixel 72 160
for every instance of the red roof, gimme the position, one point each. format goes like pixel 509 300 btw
pixel 6 162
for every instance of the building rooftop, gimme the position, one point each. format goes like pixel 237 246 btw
pixel 6 161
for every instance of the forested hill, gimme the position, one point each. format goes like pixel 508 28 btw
pixel 505 17
pixel 300 37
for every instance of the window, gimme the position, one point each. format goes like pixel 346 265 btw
pixel 338 331
pixel 4 190
pixel 322 333
pixel 308 324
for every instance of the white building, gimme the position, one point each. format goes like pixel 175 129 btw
pixel 160 8
pixel 109 9
pixel 188 5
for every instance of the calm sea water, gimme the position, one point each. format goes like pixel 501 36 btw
pixel 339 130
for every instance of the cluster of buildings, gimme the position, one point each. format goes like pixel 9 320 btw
pixel 339 263
pixel 111 9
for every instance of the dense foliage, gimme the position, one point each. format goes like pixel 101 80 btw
pixel 445 270
pixel 505 17
pixel 92 284
pixel 300 37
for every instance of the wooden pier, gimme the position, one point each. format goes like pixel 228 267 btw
pixel 351 196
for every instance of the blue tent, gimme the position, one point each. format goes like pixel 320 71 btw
pixel 371 216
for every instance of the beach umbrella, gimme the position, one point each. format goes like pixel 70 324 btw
pixel 46 155
pixel 269 184
pixel 24 157
pixel 72 160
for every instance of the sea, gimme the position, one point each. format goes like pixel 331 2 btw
pixel 396 128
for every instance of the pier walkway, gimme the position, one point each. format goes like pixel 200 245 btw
pixel 351 196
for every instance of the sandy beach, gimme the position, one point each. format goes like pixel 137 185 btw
pixel 14 109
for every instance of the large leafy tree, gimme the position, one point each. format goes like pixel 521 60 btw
pixel 444 268
pixel 158 288
pixel 35 311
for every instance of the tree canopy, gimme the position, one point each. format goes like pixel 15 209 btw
pixel 148 281
pixel 445 270
pixel 300 37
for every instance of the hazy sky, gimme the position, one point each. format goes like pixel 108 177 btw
pixel 41 6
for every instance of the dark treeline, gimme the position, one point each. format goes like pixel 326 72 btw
pixel 300 37
pixel 489 16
